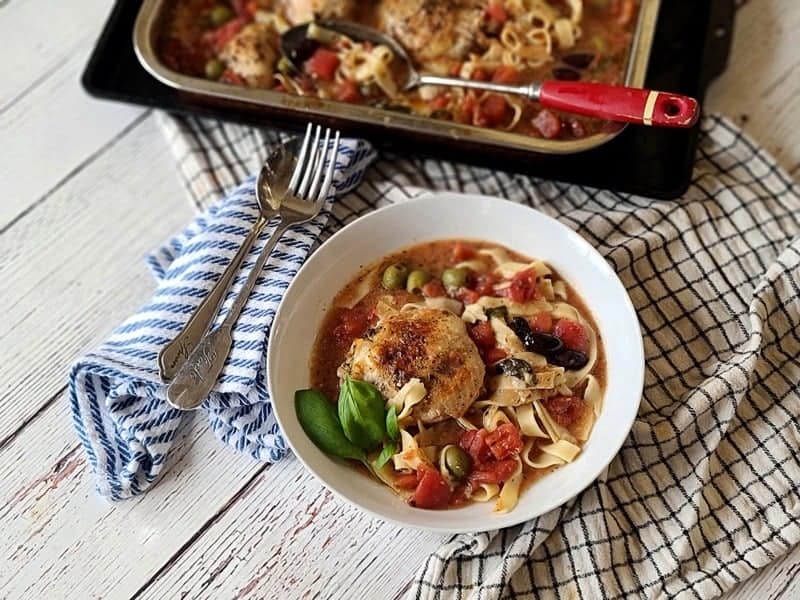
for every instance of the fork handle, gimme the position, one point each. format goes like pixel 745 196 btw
pixel 175 354
pixel 197 376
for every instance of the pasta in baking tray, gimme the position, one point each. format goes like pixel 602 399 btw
pixel 461 370
pixel 507 41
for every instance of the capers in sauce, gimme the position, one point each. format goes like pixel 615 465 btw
pixel 456 462
pixel 394 276
pixel 416 279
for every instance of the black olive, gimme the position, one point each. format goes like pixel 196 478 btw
pixel 542 343
pixel 579 60
pixel 520 326
pixel 566 74
pixel 303 51
pixel 515 367
pixel 571 360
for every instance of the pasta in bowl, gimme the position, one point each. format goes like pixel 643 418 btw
pixel 453 371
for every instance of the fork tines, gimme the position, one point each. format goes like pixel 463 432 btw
pixel 307 180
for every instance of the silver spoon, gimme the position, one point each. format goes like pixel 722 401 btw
pixel 271 187
pixel 599 100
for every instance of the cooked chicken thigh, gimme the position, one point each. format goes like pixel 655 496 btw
pixel 252 54
pixel 302 11
pixel 431 30
pixel 431 345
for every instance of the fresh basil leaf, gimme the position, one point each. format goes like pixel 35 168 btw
pixel 318 419
pixel 362 413
pixel 392 426
pixel 389 450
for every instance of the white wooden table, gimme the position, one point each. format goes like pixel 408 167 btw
pixel 87 188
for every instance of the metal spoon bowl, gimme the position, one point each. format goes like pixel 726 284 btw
pixel 603 101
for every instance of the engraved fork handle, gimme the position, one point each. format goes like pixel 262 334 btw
pixel 196 378
pixel 175 354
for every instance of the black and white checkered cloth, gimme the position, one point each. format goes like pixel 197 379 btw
pixel 705 490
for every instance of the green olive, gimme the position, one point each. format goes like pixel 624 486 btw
pixel 457 462
pixel 219 15
pixel 214 69
pixel 455 277
pixel 394 277
pixel 416 279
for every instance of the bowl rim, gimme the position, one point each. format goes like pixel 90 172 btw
pixel 485 525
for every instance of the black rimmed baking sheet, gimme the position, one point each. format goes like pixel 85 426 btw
pixel 690 48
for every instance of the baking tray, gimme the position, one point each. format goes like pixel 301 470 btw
pixel 149 25
pixel 689 49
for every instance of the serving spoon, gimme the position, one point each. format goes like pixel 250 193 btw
pixel 599 100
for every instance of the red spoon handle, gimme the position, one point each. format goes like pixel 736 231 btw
pixel 617 103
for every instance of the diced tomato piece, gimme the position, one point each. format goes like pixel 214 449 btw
pixel 523 286
pixel 462 251
pixel 548 124
pixel 322 64
pixel 493 111
pixel 479 74
pixel 495 12
pixel 439 102
pixel 466 112
pixel 407 481
pixel 495 472
pixel 467 296
pixel 505 441
pixel 473 442
pixel 229 76
pixel 347 91
pixel 493 355
pixel 483 335
pixel 573 334
pixel 432 490
pixel 564 409
pixel 541 322
pixel 220 36
pixel 251 8
pixel 505 74
pixel 433 289
pixel 353 322
pixel 484 285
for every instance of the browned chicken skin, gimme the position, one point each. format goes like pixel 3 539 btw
pixel 431 345
pixel 302 11
pixel 252 53
pixel 431 30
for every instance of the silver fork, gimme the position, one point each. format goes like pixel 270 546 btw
pixel 308 189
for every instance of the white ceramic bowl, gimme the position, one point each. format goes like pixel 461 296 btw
pixel 441 216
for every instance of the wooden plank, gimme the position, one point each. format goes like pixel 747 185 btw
pixel 60 540
pixel 761 88
pixel 72 267
pixel 285 532
pixel 47 137
pixel 38 38
pixel 46 143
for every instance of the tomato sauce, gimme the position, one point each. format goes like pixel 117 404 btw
pixel 351 314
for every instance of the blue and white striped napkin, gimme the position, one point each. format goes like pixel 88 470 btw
pixel 118 401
